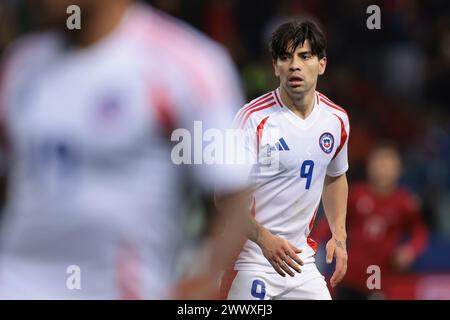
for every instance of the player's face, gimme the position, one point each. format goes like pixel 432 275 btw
pixel 384 168
pixel 298 71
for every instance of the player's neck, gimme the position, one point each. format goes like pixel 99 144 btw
pixel 383 191
pixel 97 25
pixel 301 105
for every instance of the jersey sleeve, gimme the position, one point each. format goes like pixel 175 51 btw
pixel 339 163
pixel 248 137
pixel 217 95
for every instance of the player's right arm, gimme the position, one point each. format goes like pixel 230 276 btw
pixel 282 255
pixel 334 199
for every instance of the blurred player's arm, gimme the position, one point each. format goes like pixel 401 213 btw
pixel 214 102
pixel 407 253
pixel 334 199
pixel 226 231
pixel 230 226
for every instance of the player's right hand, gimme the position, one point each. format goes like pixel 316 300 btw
pixel 281 254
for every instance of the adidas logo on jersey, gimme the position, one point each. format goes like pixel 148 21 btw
pixel 280 145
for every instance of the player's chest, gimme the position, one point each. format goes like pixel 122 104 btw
pixel 291 145
pixel 378 218
pixel 84 117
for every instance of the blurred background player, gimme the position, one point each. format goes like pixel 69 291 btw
pixel 385 227
pixel 380 215
pixel 299 138
pixel 87 116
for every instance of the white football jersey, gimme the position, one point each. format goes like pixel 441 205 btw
pixel 293 157
pixel 95 203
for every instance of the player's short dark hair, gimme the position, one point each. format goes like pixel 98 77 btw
pixel 288 36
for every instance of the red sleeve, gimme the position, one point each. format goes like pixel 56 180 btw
pixel 417 228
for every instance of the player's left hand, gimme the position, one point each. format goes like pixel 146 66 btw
pixel 337 249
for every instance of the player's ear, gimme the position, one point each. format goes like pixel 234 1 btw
pixel 275 68
pixel 322 65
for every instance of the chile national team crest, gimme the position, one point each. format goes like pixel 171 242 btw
pixel 326 142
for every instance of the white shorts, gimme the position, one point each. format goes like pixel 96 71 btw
pixel 260 285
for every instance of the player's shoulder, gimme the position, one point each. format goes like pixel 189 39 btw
pixel 408 198
pixel 331 107
pixel 173 36
pixel 23 55
pixel 169 48
pixel 30 46
pixel 258 109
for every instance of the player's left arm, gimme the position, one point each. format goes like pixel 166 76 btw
pixel 334 199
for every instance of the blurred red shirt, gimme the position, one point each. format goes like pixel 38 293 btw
pixel 376 225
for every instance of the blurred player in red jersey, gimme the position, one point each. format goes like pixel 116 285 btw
pixel 380 214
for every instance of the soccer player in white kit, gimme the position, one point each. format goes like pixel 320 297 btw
pixel 299 138
pixel 95 204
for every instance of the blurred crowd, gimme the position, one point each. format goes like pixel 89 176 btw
pixel 392 81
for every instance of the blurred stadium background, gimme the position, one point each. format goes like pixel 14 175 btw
pixel 393 82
